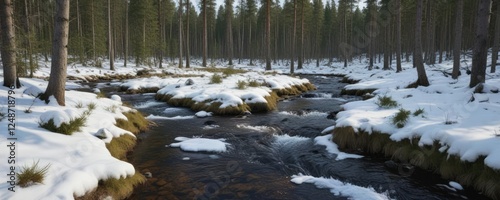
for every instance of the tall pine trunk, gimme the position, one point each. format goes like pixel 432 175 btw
pixel 398 36
pixel 57 80
pixel 126 35
pixel 229 31
pixel 301 54
pixel 417 56
pixel 180 33
pixel 187 34
pixel 8 48
pixel 496 41
pixel 110 40
pixel 457 40
pixel 268 35
pixel 205 46
pixel 480 50
pixel 292 60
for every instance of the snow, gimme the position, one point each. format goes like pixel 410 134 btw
pixel 200 144
pixel 339 188
pixel 202 114
pixel 152 117
pixel 332 148
pixel 78 161
pixel 456 185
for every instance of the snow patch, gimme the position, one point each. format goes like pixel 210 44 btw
pixel 200 144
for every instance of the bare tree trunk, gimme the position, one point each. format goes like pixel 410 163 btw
pixel 268 35
pixel 480 51
pixel 205 46
pixel 126 34
pixel 187 34
pixel 496 41
pixel 229 31
pixel 458 40
pixel 110 39
pixel 8 48
pixel 93 32
pixel 292 60
pixel 398 37
pixel 301 54
pixel 160 33
pixel 57 80
pixel 28 38
pixel 180 33
pixel 422 76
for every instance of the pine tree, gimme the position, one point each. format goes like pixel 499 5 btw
pixel 8 49
pixel 480 51
pixel 417 55
pixel 458 39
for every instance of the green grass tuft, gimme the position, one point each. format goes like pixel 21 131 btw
pixel 31 174
pixel 100 95
pixel 401 118
pixel 74 125
pixel 216 79
pixel 92 106
pixel 418 112
pixel 134 123
pixel 79 105
pixel 386 102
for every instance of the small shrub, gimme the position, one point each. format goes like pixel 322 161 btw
pixel 79 105
pixel 418 112
pixel 215 79
pixel 241 85
pixel 31 174
pixel 92 106
pixel 253 83
pixel 401 118
pixel 386 102
pixel 112 108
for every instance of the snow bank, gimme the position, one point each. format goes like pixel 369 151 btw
pixel 332 148
pixel 339 188
pixel 200 144
pixel 77 162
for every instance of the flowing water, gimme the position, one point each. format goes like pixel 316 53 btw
pixel 265 151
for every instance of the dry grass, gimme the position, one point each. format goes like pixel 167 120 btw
pixel 29 175
pixel 120 146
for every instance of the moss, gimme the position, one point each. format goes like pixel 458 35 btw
pixel 116 188
pixel 474 174
pixel 135 122
pixel 120 146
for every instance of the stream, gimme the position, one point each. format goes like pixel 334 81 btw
pixel 265 151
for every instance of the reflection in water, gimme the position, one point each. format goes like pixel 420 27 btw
pixel 265 151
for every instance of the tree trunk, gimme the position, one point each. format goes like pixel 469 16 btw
pixel 301 54
pixel 480 50
pixel 180 33
pixel 419 63
pixel 457 40
pixel 187 34
pixel 398 37
pixel 292 60
pixel 126 34
pixel 229 31
pixel 57 80
pixel 8 48
pixel 110 40
pixel 205 46
pixel 160 34
pixel 496 41
pixel 268 35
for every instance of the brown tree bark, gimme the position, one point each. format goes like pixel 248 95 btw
pixel 268 35
pixel 110 40
pixel 301 54
pixel 229 31
pixel 480 50
pixel 126 34
pixel 419 63
pixel 187 34
pixel 496 41
pixel 292 60
pixel 57 80
pixel 205 46
pixel 180 33
pixel 8 48
pixel 398 36
pixel 457 40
